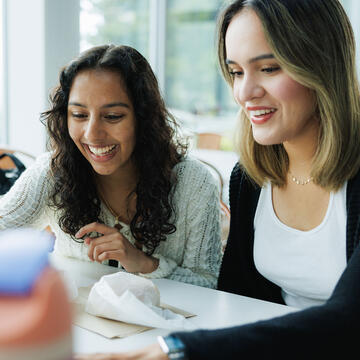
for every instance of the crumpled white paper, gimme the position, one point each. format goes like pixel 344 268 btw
pixel 104 301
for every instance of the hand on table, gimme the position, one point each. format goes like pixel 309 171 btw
pixel 152 352
pixel 113 245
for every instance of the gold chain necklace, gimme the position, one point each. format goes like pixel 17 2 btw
pixel 117 224
pixel 300 182
pixel 113 213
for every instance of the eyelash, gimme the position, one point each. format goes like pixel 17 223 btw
pixel 267 70
pixel 270 69
pixel 113 117
pixel 109 117
pixel 233 73
pixel 79 116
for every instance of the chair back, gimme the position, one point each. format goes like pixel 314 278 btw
pixel 208 141
pixel 224 209
pixel 12 165
pixel 7 163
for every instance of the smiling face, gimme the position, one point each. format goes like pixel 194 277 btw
pixel 101 121
pixel 280 109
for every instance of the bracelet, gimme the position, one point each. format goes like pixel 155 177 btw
pixel 173 347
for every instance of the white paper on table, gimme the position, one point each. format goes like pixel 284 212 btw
pixel 103 301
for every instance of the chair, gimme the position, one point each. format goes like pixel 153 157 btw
pixel 26 158
pixel 208 141
pixel 6 163
pixel 224 209
pixel 12 164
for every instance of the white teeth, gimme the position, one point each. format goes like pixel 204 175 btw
pixel 261 112
pixel 101 150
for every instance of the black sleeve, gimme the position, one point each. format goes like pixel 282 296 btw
pixel 225 281
pixel 238 257
pixel 322 332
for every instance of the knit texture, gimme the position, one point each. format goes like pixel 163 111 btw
pixel 191 254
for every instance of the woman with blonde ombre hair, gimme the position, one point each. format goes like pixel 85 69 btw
pixel 328 68
pixel 295 193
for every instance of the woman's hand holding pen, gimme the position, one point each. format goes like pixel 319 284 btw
pixel 113 245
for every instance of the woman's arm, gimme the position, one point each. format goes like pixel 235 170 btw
pixel 24 204
pixel 328 330
pixel 193 253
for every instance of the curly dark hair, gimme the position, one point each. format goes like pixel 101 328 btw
pixel 156 152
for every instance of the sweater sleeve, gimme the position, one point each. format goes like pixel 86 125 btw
pixel 24 204
pixel 193 253
pixel 319 332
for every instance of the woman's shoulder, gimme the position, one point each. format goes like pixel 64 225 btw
pixel 44 158
pixel 41 164
pixel 194 184
pixel 193 175
pixel 37 175
pixel 243 189
pixel 240 176
pixel 193 167
pixel 237 172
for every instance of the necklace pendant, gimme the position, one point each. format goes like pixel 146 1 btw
pixel 118 226
pixel 300 182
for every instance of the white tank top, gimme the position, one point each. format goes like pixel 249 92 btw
pixel 305 264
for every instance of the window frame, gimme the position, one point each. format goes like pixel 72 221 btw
pixel 4 125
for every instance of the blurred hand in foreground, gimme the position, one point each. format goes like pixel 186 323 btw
pixel 152 352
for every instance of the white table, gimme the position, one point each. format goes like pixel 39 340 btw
pixel 214 309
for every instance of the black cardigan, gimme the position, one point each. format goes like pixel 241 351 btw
pixel 319 332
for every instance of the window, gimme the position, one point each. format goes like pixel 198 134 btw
pixel 185 65
pixel 116 22
pixel 193 79
pixel 352 8
pixel 3 117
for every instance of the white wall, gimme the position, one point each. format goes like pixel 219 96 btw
pixel 26 62
pixel 42 36
pixel 3 94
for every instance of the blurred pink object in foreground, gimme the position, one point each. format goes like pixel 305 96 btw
pixel 34 309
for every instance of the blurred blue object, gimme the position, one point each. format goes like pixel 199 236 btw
pixel 23 255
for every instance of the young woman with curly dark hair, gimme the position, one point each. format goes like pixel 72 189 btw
pixel 117 187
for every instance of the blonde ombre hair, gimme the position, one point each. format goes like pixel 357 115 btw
pixel 314 43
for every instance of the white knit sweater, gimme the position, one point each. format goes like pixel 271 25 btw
pixel 191 254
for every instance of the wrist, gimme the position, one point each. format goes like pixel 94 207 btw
pixel 173 347
pixel 149 265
